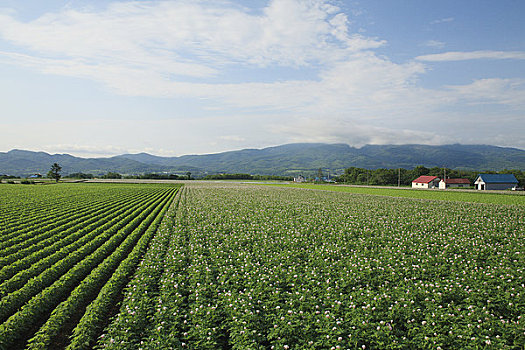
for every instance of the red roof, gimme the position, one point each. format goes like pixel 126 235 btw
pixel 457 181
pixel 425 179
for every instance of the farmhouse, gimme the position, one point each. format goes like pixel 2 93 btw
pixel 495 182
pixel 454 183
pixel 426 181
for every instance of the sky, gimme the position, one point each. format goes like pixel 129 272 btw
pixel 101 78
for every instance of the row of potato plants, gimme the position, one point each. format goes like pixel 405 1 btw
pixel 272 268
pixel 40 235
pixel 93 321
pixel 63 253
pixel 35 231
pixel 37 252
pixel 138 305
pixel 114 268
pixel 25 309
pixel 37 297
pixel 21 205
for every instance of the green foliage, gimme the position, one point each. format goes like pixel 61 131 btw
pixel 237 266
pixel 228 177
pixel 54 172
pixel 253 267
pixel 112 175
pixel 106 223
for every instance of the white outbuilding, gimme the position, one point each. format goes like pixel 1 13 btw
pixel 496 182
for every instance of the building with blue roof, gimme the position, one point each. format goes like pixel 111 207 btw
pixel 496 182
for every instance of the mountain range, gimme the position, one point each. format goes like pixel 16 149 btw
pixel 290 159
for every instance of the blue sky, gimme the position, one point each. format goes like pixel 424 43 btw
pixel 99 78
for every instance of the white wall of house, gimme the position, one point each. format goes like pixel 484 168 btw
pixel 419 185
pixel 431 184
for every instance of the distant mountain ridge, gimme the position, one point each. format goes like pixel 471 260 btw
pixel 289 159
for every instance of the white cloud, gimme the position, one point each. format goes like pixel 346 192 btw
pixel 235 138
pixel 182 48
pixel 472 55
pixel 341 90
pixel 86 150
pixel 435 43
pixel 443 20
pixel 509 92
pixel 189 38
pixel 355 133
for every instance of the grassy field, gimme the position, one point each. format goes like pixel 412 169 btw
pixel 510 198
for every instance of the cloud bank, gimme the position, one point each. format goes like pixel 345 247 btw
pixel 287 71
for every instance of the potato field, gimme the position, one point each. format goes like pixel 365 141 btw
pixel 243 266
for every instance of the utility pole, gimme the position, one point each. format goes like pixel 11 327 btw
pixel 398 177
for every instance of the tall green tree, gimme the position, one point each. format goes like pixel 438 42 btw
pixel 54 172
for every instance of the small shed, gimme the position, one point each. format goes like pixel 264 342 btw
pixel 454 183
pixel 495 182
pixel 426 181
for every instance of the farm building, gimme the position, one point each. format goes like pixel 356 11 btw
pixel 495 182
pixel 454 183
pixel 299 178
pixel 426 181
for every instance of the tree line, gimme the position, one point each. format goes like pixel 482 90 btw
pixel 382 176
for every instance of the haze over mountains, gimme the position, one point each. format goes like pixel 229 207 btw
pixel 290 159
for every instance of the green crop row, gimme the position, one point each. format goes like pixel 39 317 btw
pixel 139 301
pixel 91 285
pixel 80 263
pixel 29 231
pixel 67 272
pixel 75 246
pixel 40 235
pixel 96 317
pixel 22 210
